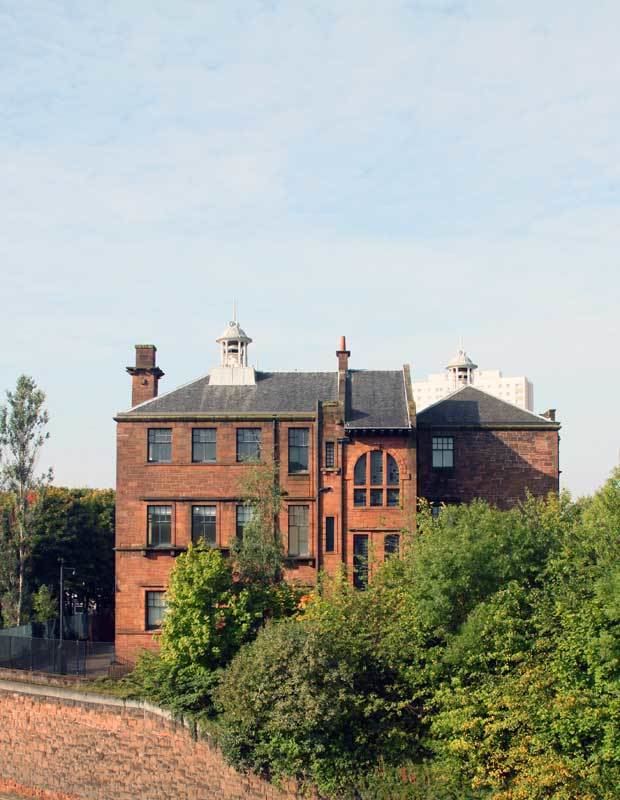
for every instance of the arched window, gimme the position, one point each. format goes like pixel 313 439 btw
pixel 376 480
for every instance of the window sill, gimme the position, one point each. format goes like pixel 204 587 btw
pixel 299 474
pixel 169 549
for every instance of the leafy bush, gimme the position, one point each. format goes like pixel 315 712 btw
pixel 314 699
pixel 210 615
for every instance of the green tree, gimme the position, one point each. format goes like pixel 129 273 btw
pixel 258 555
pixel 23 422
pixel 76 525
pixel 44 604
pixel 315 698
pixel 210 614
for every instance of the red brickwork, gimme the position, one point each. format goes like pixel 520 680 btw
pixel 182 484
pixel 496 465
pixel 63 748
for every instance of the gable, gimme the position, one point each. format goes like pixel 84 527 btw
pixel 473 408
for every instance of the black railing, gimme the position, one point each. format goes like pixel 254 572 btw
pixel 66 657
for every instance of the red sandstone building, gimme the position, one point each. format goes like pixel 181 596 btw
pixel 352 458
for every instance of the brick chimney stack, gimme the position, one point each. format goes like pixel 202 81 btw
pixel 343 365
pixel 343 354
pixel 145 375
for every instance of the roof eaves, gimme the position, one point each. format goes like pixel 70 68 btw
pixel 493 426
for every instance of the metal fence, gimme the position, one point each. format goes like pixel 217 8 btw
pixel 64 657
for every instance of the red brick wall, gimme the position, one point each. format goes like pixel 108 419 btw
pixel 59 746
pixel 497 466
pixel 379 521
pixel 181 484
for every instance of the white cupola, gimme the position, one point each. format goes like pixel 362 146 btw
pixel 461 369
pixel 233 369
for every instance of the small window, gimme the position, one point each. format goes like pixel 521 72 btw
pixel 203 445
pixel 155 610
pixel 203 525
pixel 393 497
pixel 160 445
pixel 330 455
pixel 359 497
pixel 391 545
pixel 298 449
pixel 159 525
pixel 376 497
pixel 298 538
pixel 248 444
pixel 443 452
pixel 244 515
pixel 330 538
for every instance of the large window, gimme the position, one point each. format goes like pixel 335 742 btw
pixel 159 527
pixel 203 524
pixel 376 480
pixel 203 445
pixel 443 452
pixel 298 538
pixel 155 610
pixel 244 515
pixel 248 444
pixel 160 445
pixel 298 449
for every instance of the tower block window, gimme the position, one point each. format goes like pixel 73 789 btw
pixel 376 478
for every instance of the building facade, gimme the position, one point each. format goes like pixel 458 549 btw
pixel 461 371
pixel 344 443
pixel 352 458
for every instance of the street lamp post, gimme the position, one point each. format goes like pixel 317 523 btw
pixel 61 598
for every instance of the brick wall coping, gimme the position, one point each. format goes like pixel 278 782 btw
pixel 90 698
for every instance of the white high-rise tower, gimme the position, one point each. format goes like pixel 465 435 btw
pixel 461 371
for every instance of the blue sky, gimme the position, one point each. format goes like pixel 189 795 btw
pixel 405 173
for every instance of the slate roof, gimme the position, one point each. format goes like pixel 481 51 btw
pixel 472 407
pixel 274 393
pixel 376 398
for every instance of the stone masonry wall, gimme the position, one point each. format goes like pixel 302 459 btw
pixel 60 744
